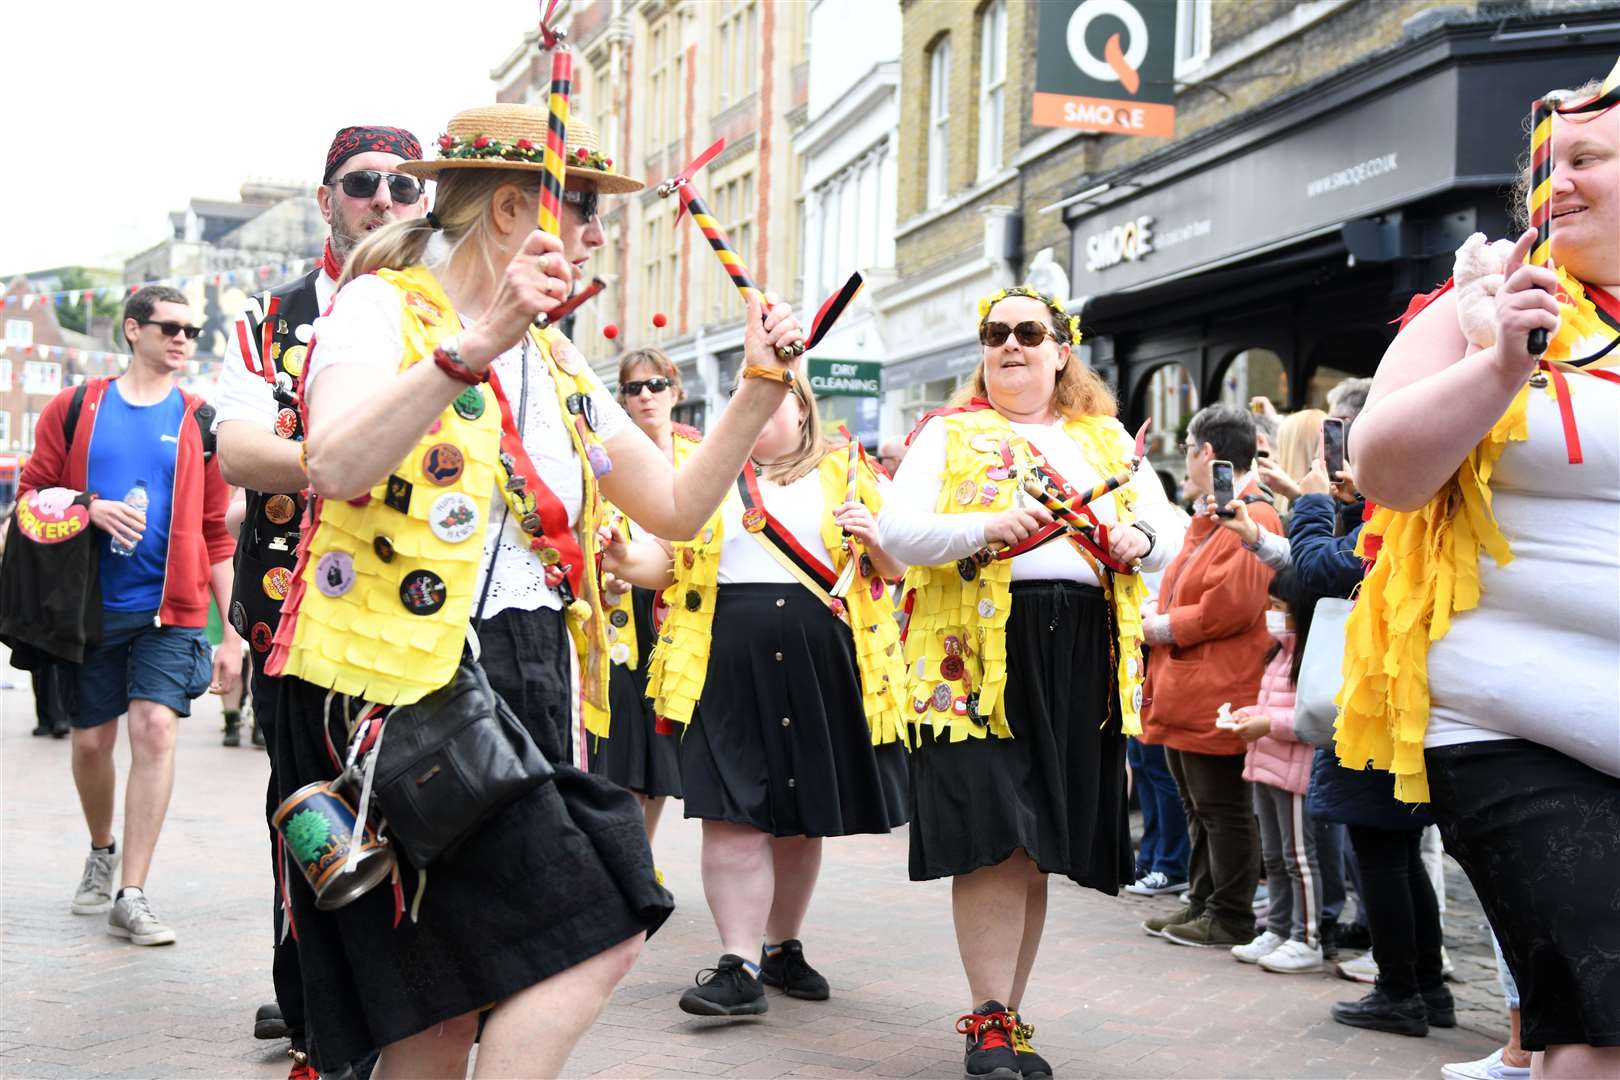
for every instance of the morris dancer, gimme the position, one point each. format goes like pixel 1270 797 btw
pixel 635 755
pixel 1024 666
pixel 259 435
pixel 452 443
pixel 790 695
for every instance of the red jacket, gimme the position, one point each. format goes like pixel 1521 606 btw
pixel 1215 594
pixel 198 539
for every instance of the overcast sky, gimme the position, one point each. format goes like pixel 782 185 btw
pixel 116 113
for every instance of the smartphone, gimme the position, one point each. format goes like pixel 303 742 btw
pixel 1221 487
pixel 1333 446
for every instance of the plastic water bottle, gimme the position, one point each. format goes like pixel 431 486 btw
pixel 135 498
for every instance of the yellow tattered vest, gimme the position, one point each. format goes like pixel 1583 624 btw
pixel 384 587
pixel 680 660
pixel 1427 570
pixel 956 639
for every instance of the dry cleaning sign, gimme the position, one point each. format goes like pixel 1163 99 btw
pixel 1107 65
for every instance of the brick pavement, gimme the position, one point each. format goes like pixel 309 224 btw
pixel 1108 1000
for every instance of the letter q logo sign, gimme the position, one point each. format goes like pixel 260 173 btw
pixel 1117 64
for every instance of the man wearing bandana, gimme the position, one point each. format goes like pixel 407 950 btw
pixel 260 429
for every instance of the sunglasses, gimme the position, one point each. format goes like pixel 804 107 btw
pixel 362 184
pixel 657 384
pixel 1029 334
pixel 585 200
pixel 170 329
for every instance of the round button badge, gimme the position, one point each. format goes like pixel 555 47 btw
pixel 334 573
pixel 469 404
pixel 239 617
pixel 620 653
pixel 422 592
pixel 262 637
pixel 941 700
pixel 619 617
pixel 286 423
pixel 280 508
pixel 965 491
pixel 753 519
pixel 951 668
pixel 443 464
pixel 277 582
pixel 292 361
pixel 453 517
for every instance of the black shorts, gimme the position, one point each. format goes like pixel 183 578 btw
pixel 1539 836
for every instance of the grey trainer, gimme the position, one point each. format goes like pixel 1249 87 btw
pixel 133 918
pixel 95 893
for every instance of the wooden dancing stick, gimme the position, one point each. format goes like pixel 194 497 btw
pixel 552 179
pixel 1540 200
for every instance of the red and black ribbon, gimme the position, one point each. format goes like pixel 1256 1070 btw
pixel 778 534
pixel 554 530
pixel 832 308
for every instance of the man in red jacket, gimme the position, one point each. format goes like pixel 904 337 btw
pixel 138 448
pixel 1208 646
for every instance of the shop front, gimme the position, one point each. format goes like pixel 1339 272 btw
pixel 1270 255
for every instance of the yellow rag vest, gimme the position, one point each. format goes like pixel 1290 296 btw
pixel 1426 571
pixel 363 641
pixel 680 660
pixel 964 623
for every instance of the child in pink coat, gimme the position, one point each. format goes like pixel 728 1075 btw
pixel 1279 767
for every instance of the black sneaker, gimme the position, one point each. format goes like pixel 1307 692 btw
pixel 1380 1012
pixel 1353 937
pixel 725 990
pixel 789 972
pixel 233 732
pixel 1328 933
pixel 989 1054
pixel 268 1023
pixel 1031 1066
pixel 1440 1006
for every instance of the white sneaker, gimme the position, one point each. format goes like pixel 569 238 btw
pixel 1293 957
pixel 132 917
pixel 95 892
pixel 1260 947
pixel 1156 884
pixel 1448 970
pixel 1363 969
pixel 1486 1068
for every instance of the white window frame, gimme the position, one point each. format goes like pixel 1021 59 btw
pixel 939 120
pixel 5 428
pixel 992 86
pixel 5 373
pixel 1193 25
pixel 19 332
pixel 42 377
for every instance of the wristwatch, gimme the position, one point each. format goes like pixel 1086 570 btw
pixel 447 356
pixel 1149 532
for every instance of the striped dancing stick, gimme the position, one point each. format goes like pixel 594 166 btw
pixel 846 577
pixel 554 171
pixel 1541 167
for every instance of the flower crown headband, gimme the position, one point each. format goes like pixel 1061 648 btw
pixel 1053 304
pixel 489 148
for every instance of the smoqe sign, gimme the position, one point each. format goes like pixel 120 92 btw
pixel 1107 65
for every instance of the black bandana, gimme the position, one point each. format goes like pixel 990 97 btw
pixel 350 141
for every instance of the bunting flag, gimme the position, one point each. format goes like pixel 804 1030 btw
pixel 58 352
pixel 245 276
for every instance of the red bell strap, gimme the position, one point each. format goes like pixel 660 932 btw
pixel 554 533
pixel 329 263
pixel 1566 407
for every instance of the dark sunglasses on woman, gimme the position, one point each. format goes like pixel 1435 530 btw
pixel 657 384
pixel 1029 334
pixel 170 329
pixel 362 184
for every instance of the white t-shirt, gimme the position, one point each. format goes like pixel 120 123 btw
pixel 800 508
pixel 242 395
pixel 1539 658
pixel 364 328
pixel 913 532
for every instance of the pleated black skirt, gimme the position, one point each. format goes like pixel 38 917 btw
pixel 780 741
pixel 1056 789
pixel 634 755
pixel 555 878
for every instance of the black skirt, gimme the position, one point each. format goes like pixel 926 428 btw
pixel 634 755
pixel 557 877
pixel 780 740
pixel 1056 788
pixel 1538 834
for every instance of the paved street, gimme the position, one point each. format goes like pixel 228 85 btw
pixel 1108 1000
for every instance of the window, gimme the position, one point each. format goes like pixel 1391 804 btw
pixel 5 375
pixel 939 115
pixel 665 85
pixel 734 210
pixel 5 430
pixel 29 421
pixel 19 332
pixel 1192 34
pixel 652 294
pixel 992 86
pixel 41 377
pixel 738 72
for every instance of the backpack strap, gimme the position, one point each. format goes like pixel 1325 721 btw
pixel 205 427
pixel 71 423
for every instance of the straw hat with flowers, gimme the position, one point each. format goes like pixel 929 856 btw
pixel 510 136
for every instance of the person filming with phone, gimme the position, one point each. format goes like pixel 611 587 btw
pixel 1210 643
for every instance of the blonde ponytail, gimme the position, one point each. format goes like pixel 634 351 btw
pixel 393 247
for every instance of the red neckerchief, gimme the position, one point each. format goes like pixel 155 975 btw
pixel 778 534
pixel 328 261
pixel 554 531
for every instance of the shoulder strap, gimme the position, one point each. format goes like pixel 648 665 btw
pixel 205 427
pixel 71 423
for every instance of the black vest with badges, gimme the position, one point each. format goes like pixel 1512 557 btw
pixel 267 547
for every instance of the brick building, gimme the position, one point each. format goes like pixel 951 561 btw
pixel 661 80
pixel 32 362
pixel 1328 157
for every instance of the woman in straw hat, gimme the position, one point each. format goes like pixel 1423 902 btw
pixel 460 458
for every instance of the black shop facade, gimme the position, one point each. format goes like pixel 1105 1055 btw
pixel 1269 255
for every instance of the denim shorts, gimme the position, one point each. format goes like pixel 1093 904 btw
pixel 137 660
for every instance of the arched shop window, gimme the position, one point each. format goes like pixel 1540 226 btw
pixel 1170 396
pixel 1254 373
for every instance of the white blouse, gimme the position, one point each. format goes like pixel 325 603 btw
pixel 798 506
pixel 364 328
pixel 914 533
